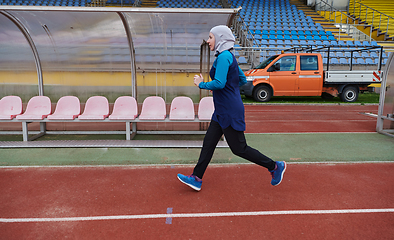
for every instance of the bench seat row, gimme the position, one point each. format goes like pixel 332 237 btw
pixel 125 109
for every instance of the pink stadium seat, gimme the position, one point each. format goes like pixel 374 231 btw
pixel 67 108
pixel 124 108
pixel 182 108
pixel 153 108
pixel 205 108
pixel 96 107
pixel 10 106
pixel 38 107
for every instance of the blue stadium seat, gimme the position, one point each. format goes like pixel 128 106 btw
pixel 349 43
pixel 264 42
pixel 331 38
pixel 369 61
pixel 272 42
pixel 319 43
pixel 366 44
pixel 334 61
pixel 343 61
pixel 294 37
pixel 374 55
pixel 303 43
pixel 358 44
pixel 341 43
pixel 242 60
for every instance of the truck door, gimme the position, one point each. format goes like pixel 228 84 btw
pixel 283 79
pixel 310 81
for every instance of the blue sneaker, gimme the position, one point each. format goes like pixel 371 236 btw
pixel 191 180
pixel 277 173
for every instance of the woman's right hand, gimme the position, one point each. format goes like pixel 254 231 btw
pixel 198 79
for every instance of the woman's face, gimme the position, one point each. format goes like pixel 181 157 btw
pixel 211 41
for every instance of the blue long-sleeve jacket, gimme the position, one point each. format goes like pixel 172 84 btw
pixel 223 61
pixel 226 78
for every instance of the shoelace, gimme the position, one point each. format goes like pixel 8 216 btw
pixel 195 178
pixel 273 172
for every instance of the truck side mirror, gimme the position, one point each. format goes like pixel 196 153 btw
pixel 274 68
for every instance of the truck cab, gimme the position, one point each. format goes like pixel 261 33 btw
pixel 288 74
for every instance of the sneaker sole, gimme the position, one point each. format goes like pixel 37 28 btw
pixel 281 177
pixel 188 184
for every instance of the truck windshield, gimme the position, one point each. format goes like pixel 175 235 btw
pixel 265 63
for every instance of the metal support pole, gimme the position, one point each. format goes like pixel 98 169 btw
pixel 25 132
pixel 132 55
pixel 127 130
pixel 43 128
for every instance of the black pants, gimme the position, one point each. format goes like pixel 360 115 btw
pixel 237 142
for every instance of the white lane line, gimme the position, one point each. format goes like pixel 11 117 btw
pixel 139 166
pixel 196 215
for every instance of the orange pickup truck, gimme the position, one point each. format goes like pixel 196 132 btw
pixel 302 74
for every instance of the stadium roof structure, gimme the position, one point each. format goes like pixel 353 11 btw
pixel 60 39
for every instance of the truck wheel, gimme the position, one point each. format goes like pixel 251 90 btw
pixel 349 94
pixel 262 94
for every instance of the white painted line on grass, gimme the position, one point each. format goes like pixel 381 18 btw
pixel 197 215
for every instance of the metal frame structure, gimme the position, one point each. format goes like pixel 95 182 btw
pixel 51 29
pixel 385 122
pixel 9 12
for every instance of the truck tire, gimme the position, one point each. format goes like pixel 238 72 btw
pixel 262 93
pixel 349 94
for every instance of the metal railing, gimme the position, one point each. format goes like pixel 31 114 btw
pixel 345 23
pixel 137 3
pixel 246 38
pixel 365 13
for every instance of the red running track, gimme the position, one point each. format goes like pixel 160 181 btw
pixel 309 118
pixel 51 192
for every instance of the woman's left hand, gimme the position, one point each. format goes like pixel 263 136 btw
pixel 198 79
